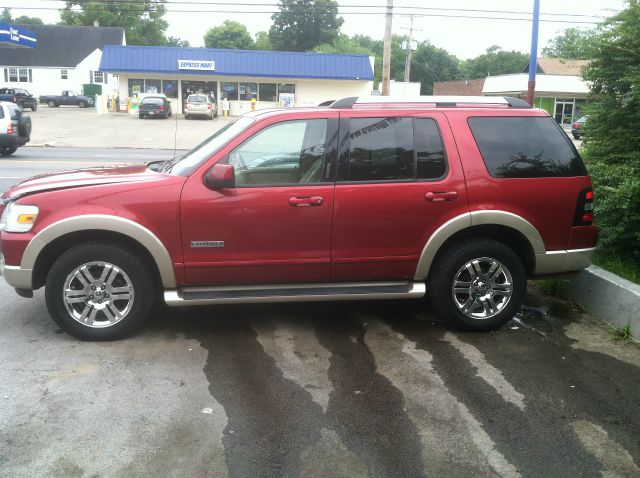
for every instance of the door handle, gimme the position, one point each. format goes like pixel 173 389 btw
pixel 441 196
pixel 306 201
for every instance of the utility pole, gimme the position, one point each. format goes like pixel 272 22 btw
pixel 409 49
pixel 533 60
pixel 386 53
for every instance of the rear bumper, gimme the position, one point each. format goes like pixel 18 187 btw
pixel 12 140
pixel 556 262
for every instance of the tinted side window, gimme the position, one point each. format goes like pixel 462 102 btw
pixel 431 162
pixel 525 147
pixel 381 149
pixel 1 112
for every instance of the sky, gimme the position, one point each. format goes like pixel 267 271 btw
pixel 467 36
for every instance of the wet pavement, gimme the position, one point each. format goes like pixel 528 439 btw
pixel 374 389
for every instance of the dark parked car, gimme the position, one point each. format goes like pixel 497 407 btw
pixel 20 97
pixel 67 97
pixel 577 128
pixel 154 106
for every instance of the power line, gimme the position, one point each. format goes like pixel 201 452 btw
pixel 382 8
pixel 103 8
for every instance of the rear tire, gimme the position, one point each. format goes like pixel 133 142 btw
pixel 99 291
pixel 477 284
pixel 8 150
pixel 34 107
pixel 51 104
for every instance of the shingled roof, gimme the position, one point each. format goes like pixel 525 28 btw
pixel 62 45
pixel 559 66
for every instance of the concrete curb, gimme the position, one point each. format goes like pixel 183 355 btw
pixel 609 296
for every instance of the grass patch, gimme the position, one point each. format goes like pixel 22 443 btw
pixel 623 335
pixel 618 265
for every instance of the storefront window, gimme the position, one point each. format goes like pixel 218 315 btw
pixel 286 88
pixel 136 86
pixel 248 91
pixel 267 92
pixel 170 88
pixel 230 91
pixel 152 86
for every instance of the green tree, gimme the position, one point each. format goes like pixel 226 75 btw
pixel 302 25
pixel 345 45
pixel 613 139
pixel 25 20
pixel 262 41
pixel 430 64
pixel 573 43
pixel 494 62
pixel 175 41
pixel 142 20
pixel 230 34
pixel 5 17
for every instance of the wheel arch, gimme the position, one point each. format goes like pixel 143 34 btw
pixel 46 246
pixel 508 228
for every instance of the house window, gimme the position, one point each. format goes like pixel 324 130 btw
pixel 63 74
pixel 15 75
pixel 98 77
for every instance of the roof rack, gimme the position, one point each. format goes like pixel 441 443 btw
pixel 438 101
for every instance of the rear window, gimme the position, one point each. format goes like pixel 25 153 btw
pixel 153 101
pixel 1 112
pixel 525 147
pixel 14 111
pixel 197 99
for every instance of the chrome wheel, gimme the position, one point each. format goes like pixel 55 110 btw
pixel 98 294
pixel 482 288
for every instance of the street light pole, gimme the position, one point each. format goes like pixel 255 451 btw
pixel 533 60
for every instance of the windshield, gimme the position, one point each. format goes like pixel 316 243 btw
pixel 194 158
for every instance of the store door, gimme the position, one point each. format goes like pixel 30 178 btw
pixel 564 111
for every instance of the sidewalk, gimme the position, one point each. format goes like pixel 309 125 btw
pixel 75 127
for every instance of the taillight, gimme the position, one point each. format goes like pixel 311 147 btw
pixel 15 100
pixel 162 107
pixel 209 105
pixel 10 128
pixel 584 209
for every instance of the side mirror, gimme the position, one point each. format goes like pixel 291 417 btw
pixel 221 176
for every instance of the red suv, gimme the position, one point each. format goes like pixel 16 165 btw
pixel 461 199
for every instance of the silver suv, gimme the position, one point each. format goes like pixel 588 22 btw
pixel 200 105
pixel 15 128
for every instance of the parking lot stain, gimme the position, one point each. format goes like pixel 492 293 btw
pixel 365 409
pixel 271 419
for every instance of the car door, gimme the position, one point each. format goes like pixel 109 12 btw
pixel 274 226
pixel 399 179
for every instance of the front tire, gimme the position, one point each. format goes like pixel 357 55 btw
pixel 34 107
pixel 51 104
pixel 82 104
pixel 99 291
pixel 477 284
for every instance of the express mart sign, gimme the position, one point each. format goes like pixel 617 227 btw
pixel 196 65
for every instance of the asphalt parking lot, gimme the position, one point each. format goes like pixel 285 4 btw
pixel 318 390
pixel 69 126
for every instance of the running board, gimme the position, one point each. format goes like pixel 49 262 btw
pixel 251 294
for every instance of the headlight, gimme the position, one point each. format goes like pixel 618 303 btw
pixel 18 217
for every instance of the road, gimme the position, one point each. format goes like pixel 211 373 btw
pixel 30 161
pixel 378 389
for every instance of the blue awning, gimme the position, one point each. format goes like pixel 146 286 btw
pixel 256 63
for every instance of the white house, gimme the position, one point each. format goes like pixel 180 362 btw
pixel 65 58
